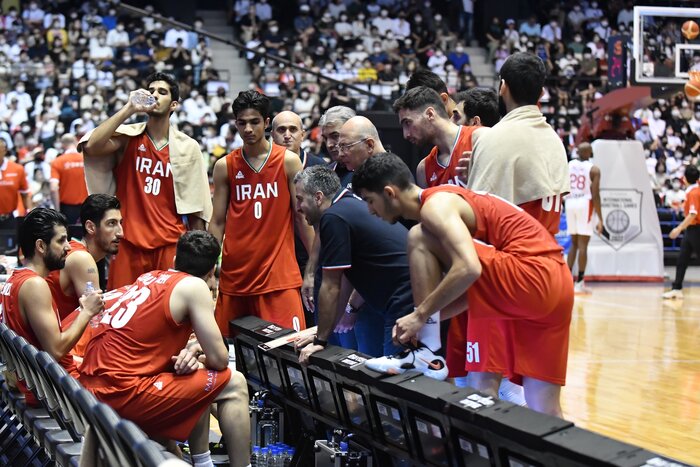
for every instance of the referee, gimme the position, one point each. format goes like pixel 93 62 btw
pixel 691 240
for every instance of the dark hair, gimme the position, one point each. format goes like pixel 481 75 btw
pixel 482 103
pixel 524 73
pixel 39 225
pixel 381 170
pixel 424 77
pixel 197 253
pixel 168 78
pixel 419 99
pixel 251 100
pixel 692 174
pixel 95 206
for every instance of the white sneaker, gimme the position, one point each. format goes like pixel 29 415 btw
pixel 581 289
pixel 511 392
pixel 673 294
pixel 420 359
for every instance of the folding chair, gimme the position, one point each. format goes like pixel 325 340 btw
pixel 103 420
pixel 67 454
pixel 142 451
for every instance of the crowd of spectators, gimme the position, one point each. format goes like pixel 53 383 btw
pixel 64 69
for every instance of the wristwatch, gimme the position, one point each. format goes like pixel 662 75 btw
pixel 349 309
pixel 320 342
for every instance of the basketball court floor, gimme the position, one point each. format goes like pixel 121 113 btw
pixel 634 366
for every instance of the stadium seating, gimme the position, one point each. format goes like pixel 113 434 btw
pixel 53 431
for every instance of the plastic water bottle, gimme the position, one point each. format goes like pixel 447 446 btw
pixel 141 98
pixel 264 457
pixel 255 457
pixel 95 320
pixel 288 456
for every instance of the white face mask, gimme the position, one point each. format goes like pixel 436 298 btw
pixel 657 114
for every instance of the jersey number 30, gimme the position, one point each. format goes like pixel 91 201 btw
pixel 152 186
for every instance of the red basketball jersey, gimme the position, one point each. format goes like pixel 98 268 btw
pixel 137 334
pixel 12 317
pixel 145 189
pixel 258 254
pixel 437 174
pixel 547 211
pixel 503 225
pixel 65 304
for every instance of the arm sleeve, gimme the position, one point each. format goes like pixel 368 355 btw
pixel 336 249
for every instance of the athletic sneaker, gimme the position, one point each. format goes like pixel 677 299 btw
pixel 581 289
pixel 420 359
pixel 673 294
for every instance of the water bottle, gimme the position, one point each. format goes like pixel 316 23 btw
pixel 95 320
pixel 144 99
pixel 255 457
pixel 288 455
pixel 264 457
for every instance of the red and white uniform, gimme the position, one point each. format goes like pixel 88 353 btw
pixel 579 201
pixel 438 174
pixel 152 225
pixel 128 365
pixel 12 317
pixel 525 288
pixel 65 304
pixel 259 272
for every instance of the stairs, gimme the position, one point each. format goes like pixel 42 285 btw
pixel 225 57
pixel 484 71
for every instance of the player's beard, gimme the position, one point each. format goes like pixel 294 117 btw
pixel 54 262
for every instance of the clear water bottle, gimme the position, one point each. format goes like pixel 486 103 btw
pixel 143 99
pixel 289 455
pixel 255 457
pixel 264 457
pixel 95 320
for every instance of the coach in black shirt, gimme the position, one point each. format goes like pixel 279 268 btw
pixel 358 250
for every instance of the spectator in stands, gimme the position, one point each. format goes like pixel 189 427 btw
pixel 27 305
pixel 458 57
pixel 531 28
pixel 576 18
pixel 33 16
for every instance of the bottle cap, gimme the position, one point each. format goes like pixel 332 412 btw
pixel 343 446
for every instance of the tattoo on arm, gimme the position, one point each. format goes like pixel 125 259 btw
pixel 92 271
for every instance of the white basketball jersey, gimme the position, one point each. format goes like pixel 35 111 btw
pixel 580 178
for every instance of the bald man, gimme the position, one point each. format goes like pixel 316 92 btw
pixel 580 204
pixel 288 131
pixel 358 141
pixel 68 187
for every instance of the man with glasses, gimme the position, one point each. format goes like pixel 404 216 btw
pixel 358 141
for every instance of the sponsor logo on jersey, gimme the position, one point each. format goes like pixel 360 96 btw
pixel 142 148
pixel 434 177
pixel 158 385
pixel 239 175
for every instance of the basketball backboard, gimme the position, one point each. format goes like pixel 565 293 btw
pixel 661 54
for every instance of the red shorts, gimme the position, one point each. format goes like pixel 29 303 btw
pixel 282 307
pixel 531 299
pixel 132 261
pixel 165 406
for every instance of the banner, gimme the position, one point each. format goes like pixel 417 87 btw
pixel 631 246
pixel 617 62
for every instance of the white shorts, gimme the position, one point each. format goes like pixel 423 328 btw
pixel 579 216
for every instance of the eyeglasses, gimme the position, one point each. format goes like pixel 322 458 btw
pixel 346 146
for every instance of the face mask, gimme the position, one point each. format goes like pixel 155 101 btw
pixel 385 13
pixel 418 19
pixel 120 28
pixel 676 186
pixel 304 95
pixel 91 90
pixel 377 50
pixel 274 30
pixel 594 4
pixel 361 17
pixel 684 131
pixel 344 19
pixel 676 113
pixel 298 48
pixel 657 114
pixel 459 50
pixel 20 89
pixel 438 18
pixel 604 24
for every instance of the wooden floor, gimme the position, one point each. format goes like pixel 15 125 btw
pixel 634 368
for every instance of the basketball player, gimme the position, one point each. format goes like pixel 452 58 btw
pixel 361 252
pixel 160 177
pixel 358 141
pixel 68 188
pixel 581 202
pixel 27 305
pixel 254 207
pixel 163 384
pixel 424 77
pixel 102 228
pixel 691 226
pixel 522 278
pixel 524 160
pixel 476 107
